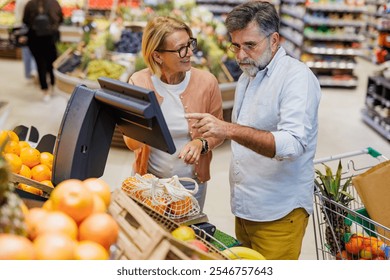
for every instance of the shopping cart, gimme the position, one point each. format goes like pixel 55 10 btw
pixel 333 222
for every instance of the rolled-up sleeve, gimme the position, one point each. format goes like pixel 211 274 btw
pixel 296 116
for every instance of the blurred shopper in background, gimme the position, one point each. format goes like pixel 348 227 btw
pixel 30 67
pixel 41 43
pixel 273 135
pixel 167 47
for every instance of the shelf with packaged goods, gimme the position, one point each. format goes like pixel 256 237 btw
pixel 377 105
pixel 325 37
pixel 377 31
pixel 220 7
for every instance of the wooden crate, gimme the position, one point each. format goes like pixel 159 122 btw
pixel 143 237
pixel 9 51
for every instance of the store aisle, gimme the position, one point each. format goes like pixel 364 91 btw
pixel 341 130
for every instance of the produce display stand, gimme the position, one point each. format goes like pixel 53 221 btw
pixel 146 234
pixel 7 50
pixel 328 212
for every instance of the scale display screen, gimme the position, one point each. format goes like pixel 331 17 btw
pixel 89 121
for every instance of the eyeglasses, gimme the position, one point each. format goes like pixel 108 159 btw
pixel 247 47
pixel 192 44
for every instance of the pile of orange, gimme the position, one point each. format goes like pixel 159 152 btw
pixel 363 248
pixel 27 161
pixel 68 226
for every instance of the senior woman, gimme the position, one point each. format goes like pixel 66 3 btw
pixel 167 47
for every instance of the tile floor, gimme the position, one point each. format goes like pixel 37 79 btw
pixel 341 130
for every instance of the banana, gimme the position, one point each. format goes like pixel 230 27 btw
pixel 242 253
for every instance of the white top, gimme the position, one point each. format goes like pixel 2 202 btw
pixel 283 98
pixel 162 164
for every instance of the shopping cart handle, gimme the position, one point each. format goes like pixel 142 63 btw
pixel 373 153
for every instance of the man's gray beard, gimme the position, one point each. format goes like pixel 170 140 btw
pixel 258 65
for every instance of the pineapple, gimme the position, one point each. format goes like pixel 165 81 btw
pixel 11 214
pixel 334 194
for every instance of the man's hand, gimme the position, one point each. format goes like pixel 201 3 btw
pixel 209 125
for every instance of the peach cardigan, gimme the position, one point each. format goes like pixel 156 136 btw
pixel 202 95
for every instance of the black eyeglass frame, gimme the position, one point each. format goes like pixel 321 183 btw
pixel 192 44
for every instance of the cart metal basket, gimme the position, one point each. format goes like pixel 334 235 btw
pixel 332 221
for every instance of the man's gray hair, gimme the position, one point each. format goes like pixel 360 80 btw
pixel 264 13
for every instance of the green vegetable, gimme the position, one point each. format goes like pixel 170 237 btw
pixel 227 240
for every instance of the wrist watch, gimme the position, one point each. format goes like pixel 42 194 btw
pixel 205 146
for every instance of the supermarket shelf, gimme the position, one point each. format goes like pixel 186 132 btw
pixel 337 7
pixel 329 81
pixel 335 37
pixel 376 125
pixel 331 65
pixel 314 21
pixel 4 32
pixel 330 40
pixel 294 24
pixel 334 51
pixel 297 40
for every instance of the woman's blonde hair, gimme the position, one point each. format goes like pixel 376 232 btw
pixel 154 36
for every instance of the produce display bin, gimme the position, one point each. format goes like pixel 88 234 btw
pixel 143 237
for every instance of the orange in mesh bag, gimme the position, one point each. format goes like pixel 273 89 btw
pixel 166 196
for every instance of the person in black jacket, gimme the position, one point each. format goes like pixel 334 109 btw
pixel 43 48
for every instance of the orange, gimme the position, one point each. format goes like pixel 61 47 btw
pixel 148 176
pixel 100 187
pixel 101 228
pixel 13 136
pixel 354 245
pixel 16 247
pixel 25 171
pixel 54 246
pixel 159 208
pixel 8 135
pixel 89 250
pixel 73 198
pixel 34 216
pixel 58 222
pixel 30 189
pixel 14 162
pixel 130 186
pixel 47 183
pixel 47 159
pixel 372 242
pixel 23 144
pixel 180 207
pixel 4 136
pixel 30 156
pixel 12 147
pixel 40 173
pixel 98 204
pixel 24 208
pixel 47 205
pixel 344 255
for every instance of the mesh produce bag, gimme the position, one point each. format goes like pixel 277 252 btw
pixel 166 196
